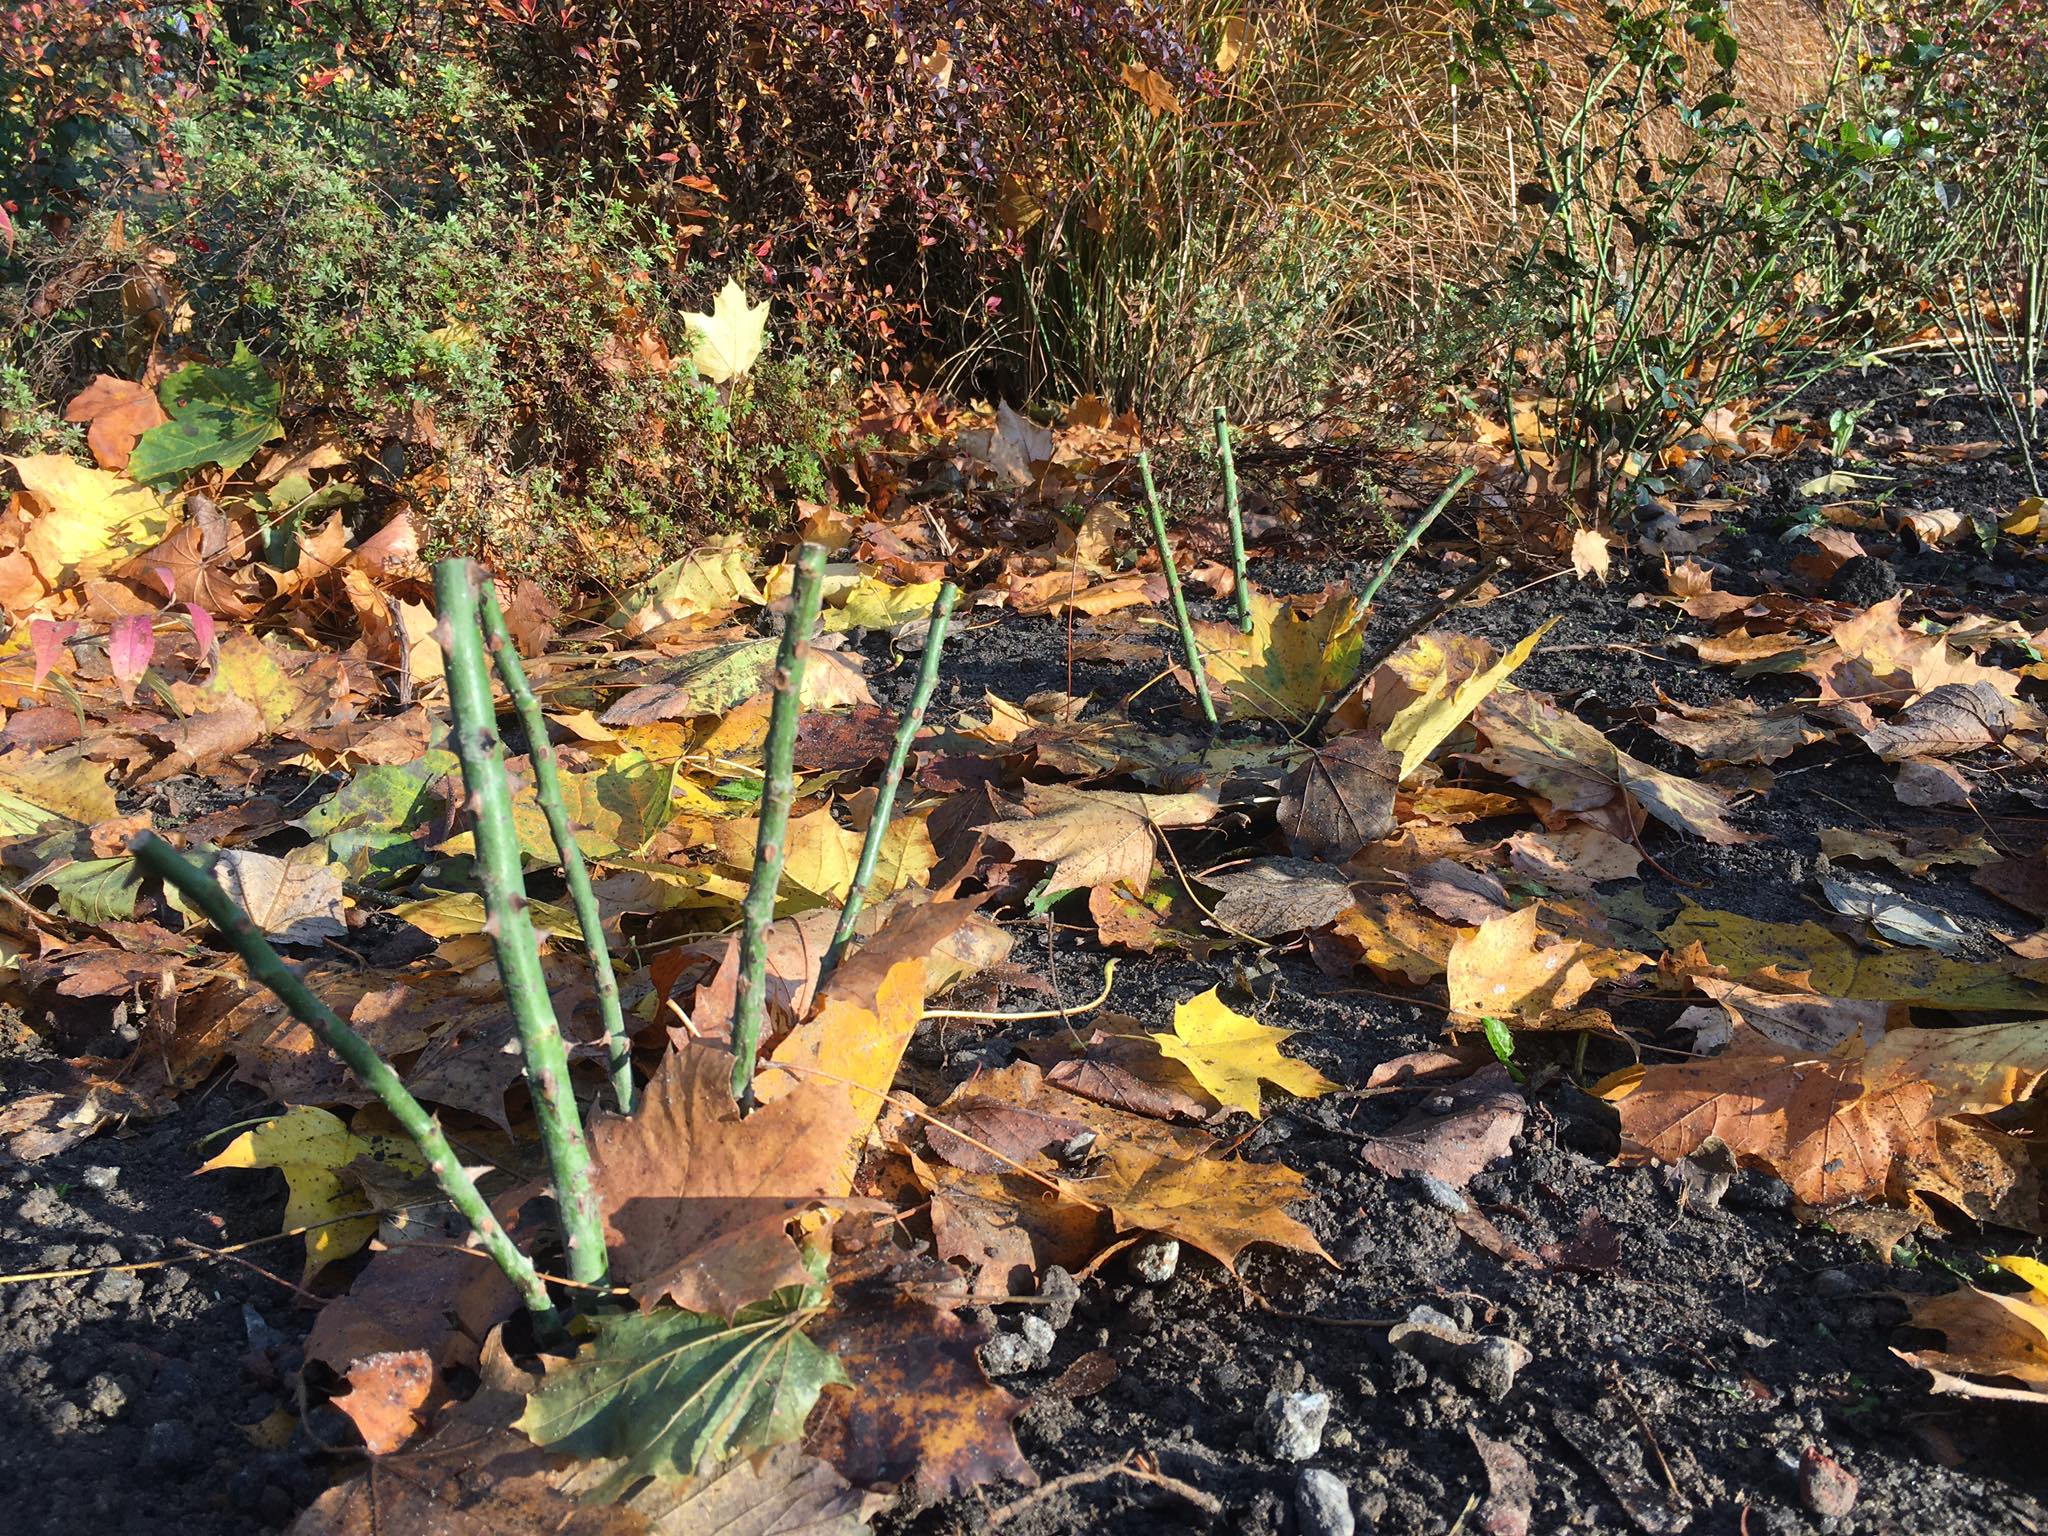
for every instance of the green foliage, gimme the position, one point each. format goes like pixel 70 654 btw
pixel 668 1392
pixel 510 347
pixel 218 416
pixel 1660 256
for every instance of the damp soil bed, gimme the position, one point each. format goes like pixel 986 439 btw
pixel 1674 1378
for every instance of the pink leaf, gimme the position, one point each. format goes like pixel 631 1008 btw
pixel 130 645
pixel 202 628
pixel 48 637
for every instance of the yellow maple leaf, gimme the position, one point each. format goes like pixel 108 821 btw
pixel 1419 728
pixel 83 522
pixel 872 603
pixel 37 788
pixel 821 856
pixel 700 589
pixel 1230 1054
pixel 725 343
pixel 1501 968
pixel 459 914
pixel 310 1147
pixel 1290 662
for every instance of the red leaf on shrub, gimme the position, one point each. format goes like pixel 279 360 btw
pixel 130 645
pixel 48 637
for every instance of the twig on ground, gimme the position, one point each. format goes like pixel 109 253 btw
pixel 1108 977
pixel 1136 1465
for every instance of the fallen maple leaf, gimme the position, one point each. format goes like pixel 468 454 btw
pixel 83 522
pixel 1500 967
pixel 1988 1333
pixel 117 411
pixel 1875 657
pixel 1219 1207
pixel 697 1201
pixel 296 899
pixel 1738 730
pixel 218 415
pixel 822 857
pixel 1292 661
pixel 433 1298
pixel 1946 721
pixel 310 1147
pixel 1096 836
pixel 386 1393
pixel 475 1474
pixel 1230 1054
pixel 667 1393
pixel 1541 747
pixel 701 588
pixel 916 1407
pixel 1161 1178
pixel 1837 968
pixel 39 789
pixel 1454 1141
pixel 1422 725
pixel 1391 937
pixel 782 1492
pixel 1339 799
pixel 1274 896
pixel 1839 1129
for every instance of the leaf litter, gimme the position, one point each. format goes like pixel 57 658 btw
pixel 1433 822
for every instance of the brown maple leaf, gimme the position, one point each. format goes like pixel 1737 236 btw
pixel 697 1201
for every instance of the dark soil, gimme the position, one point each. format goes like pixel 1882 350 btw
pixel 1722 1344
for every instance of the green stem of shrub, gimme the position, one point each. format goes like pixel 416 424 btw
pixel 160 859
pixel 1180 603
pixel 1230 510
pixel 511 931
pixel 892 774
pixel 1414 535
pixel 547 780
pixel 778 790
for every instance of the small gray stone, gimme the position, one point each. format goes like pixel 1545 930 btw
pixel 117 1287
pixel 1322 1504
pixel 1490 1365
pixel 1008 1354
pixel 1834 1284
pixel 1061 1294
pixel 1291 1424
pixel 1441 1195
pixel 170 1447
pixel 102 1177
pixel 105 1397
pixel 1155 1260
pixel 43 1208
pixel 1037 1333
